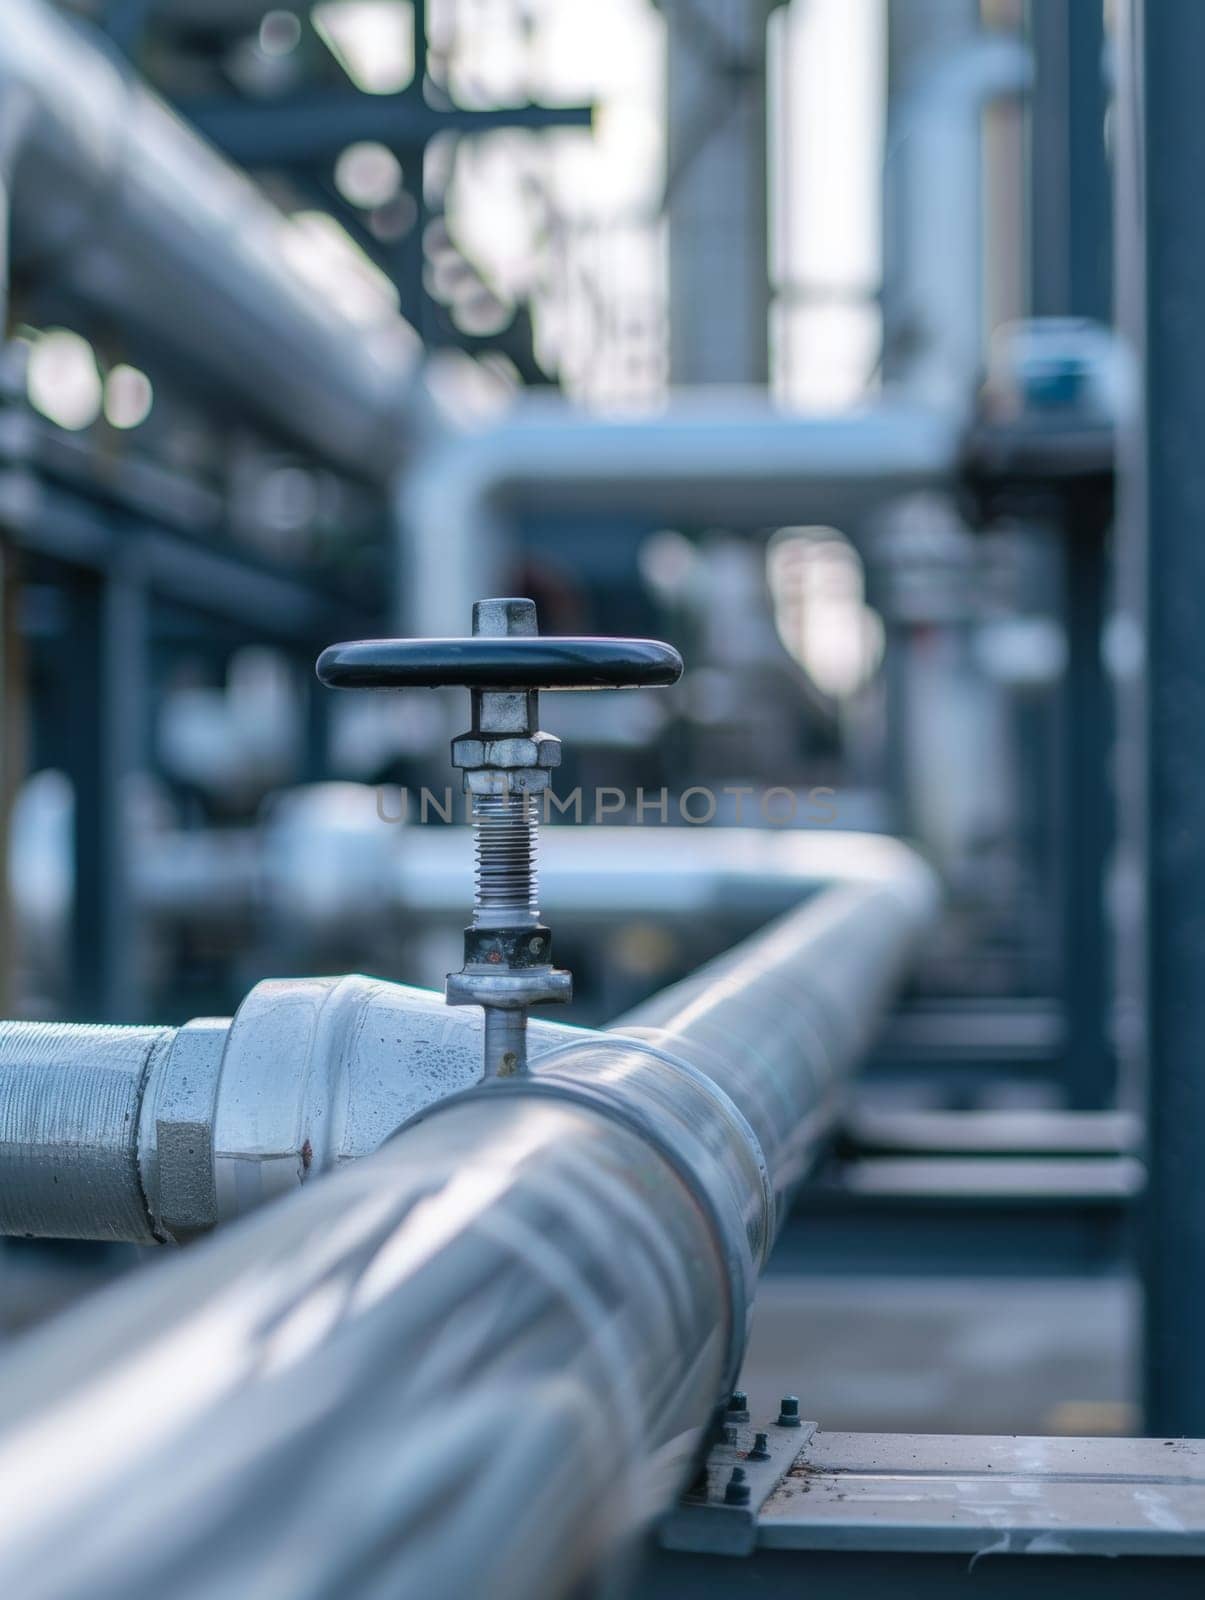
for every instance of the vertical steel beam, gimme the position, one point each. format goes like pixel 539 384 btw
pixel 110 713
pixel 1160 154
pixel 1071 276
pixel 1070 199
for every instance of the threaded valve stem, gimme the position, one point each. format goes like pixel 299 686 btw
pixel 506 828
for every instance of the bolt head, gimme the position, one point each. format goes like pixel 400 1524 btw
pixel 505 618
pixel 737 1491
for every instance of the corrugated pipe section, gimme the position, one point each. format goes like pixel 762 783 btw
pixel 69 1103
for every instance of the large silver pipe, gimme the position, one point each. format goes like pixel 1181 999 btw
pixel 480 1359
pixel 136 216
pixel 155 1135
pixel 793 1089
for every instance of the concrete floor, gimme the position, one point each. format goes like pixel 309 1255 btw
pixel 967 1355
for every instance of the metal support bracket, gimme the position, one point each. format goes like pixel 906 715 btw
pixel 705 1520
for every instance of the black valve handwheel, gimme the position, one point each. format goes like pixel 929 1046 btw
pixel 535 662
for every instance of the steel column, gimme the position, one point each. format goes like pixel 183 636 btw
pixel 1070 276
pixel 110 713
pixel 1070 201
pixel 1160 154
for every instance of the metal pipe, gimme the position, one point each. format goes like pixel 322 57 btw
pixel 69 1099
pixel 945 68
pixel 137 217
pixel 156 1135
pixel 328 862
pixel 226 1114
pixel 480 1359
pixel 716 185
pixel 791 1089
pixel 729 459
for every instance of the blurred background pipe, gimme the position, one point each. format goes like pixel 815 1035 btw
pixel 725 458
pixel 110 192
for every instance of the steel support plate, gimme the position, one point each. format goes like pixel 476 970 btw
pixel 981 1495
pixel 702 1521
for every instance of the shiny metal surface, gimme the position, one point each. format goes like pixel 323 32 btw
pixel 476 1361
pixel 154 1135
pixel 480 1359
pixel 776 1022
pixel 315 1072
pixel 984 1495
pixel 319 1071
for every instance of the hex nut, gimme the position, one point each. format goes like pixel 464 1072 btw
pixel 470 752
pixel 507 780
pixel 176 1156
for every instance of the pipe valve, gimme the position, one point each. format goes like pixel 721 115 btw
pixel 507 762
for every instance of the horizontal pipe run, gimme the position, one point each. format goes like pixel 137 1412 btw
pixel 332 858
pixel 138 218
pixel 224 1115
pixel 69 1103
pixel 470 1363
pixel 723 459
pixel 479 1360
pixel 788 1075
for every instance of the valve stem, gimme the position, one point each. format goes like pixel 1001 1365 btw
pixel 505 1044
pixel 506 880
pixel 506 897
pixel 507 763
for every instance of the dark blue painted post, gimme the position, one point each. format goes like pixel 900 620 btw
pixel 1160 155
pixel 1070 255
